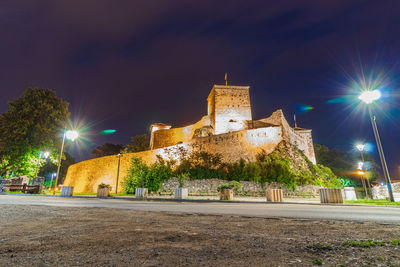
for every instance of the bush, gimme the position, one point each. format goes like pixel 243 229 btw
pixel 140 175
pixel 277 167
pixel 103 185
pixel 232 185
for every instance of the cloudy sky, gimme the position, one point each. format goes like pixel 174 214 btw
pixel 126 64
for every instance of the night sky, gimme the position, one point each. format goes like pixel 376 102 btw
pixel 126 64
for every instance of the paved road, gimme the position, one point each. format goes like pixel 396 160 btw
pixel 266 210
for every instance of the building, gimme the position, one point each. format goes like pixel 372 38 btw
pixel 228 129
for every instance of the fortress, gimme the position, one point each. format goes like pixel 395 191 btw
pixel 227 129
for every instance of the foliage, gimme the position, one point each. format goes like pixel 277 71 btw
pixel 50 167
pixel 383 202
pixel 343 164
pixel 32 124
pixel 182 177
pixel 107 149
pixel 276 167
pixel 103 185
pixel 317 261
pixel 364 243
pixel 140 175
pixel 138 143
pixel 232 185
pixel 347 182
pixel 201 165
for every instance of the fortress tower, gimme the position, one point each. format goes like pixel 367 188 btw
pixel 229 108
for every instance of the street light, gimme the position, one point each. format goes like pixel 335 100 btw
pixel 360 171
pixel 70 135
pixel 45 155
pixel 119 162
pixel 368 97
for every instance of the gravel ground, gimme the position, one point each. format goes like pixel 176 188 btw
pixel 53 236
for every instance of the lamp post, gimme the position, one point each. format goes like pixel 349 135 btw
pixel 363 176
pixel 368 97
pixel 45 155
pixel 71 135
pixel 361 164
pixel 51 181
pixel 119 162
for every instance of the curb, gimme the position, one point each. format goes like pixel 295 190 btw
pixel 204 200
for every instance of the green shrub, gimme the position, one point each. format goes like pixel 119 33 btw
pixel 103 185
pixel 140 175
pixel 232 185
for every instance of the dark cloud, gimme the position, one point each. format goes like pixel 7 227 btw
pixel 125 64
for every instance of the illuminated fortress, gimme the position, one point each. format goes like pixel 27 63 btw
pixel 227 129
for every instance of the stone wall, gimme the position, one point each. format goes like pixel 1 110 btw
pixel 209 186
pixel 229 108
pixel 300 138
pixel 381 192
pixel 85 176
pixel 173 136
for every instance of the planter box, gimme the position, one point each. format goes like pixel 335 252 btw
pixel 331 195
pixel 103 192
pixel 67 191
pixel 349 193
pixel 226 194
pixel 141 193
pixel 181 193
pixel 274 195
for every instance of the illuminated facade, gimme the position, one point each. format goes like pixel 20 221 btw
pixel 227 129
pixel 229 111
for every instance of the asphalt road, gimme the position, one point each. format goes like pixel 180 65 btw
pixel 379 214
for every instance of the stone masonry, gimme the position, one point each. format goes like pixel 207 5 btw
pixel 227 129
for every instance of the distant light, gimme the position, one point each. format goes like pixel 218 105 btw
pixel 360 165
pixel 360 147
pixel 109 131
pixel 370 96
pixel 46 154
pixel 71 135
pixel 360 172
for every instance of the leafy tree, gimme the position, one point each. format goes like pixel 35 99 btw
pixel 51 167
pixel 138 143
pixel 343 164
pixel 107 149
pixel 32 124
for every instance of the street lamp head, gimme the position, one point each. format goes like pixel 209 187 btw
pixel 360 147
pixel 71 135
pixel 370 96
pixel 46 154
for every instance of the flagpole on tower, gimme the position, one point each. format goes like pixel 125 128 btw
pixel 226 79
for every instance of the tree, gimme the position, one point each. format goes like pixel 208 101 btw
pixel 32 124
pixel 107 149
pixel 138 143
pixel 51 167
pixel 343 164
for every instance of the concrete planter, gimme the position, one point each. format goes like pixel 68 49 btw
pixel 226 194
pixel 67 191
pixel 331 195
pixel 181 193
pixel 349 193
pixel 274 195
pixel 141 193
pixel 103 192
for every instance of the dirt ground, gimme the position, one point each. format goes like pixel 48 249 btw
pixel 51 236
